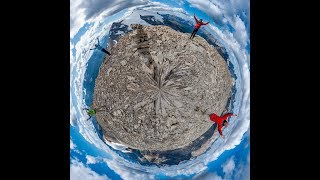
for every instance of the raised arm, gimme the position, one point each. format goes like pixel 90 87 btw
pixel 195 18
pixel 205 23
pixel 226 116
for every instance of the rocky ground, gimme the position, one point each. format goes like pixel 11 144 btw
pixel 148 90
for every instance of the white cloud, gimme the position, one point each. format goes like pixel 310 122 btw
pixel 73 117
pixel 213 10
pixel 240 31
pixel 165 9
pixel 247 135
pixel 94 7
pixel 129 172
pixel 77 17
pixel 240 171
pixel 228 167
pixel 91 159
pixel 231 170
pixel 71 45
pixel 117 146
pixel 180 2
pixel 134 17
pixel 80 172
pixel 72 145
pixel 207 176
pixel 71 54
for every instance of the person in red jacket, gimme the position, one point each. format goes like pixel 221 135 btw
pixel 221 121
pixel 199 23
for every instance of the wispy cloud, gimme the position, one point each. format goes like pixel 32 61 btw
pixel 228 168
pixel 82 10
pixel 212 9
pixel 127 172
pixel 240 33
pixel 73 117
pixel 77 16
pixel 78 171
pixel 91 159
pixel 72 145
pixel 207 176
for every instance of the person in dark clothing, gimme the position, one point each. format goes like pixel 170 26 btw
pixel 97 46
pixel 199 23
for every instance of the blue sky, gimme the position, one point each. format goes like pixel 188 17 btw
pixel 89 159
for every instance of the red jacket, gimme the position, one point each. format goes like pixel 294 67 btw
pixel 219 120
pixel 198 23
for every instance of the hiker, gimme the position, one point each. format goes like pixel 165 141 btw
pixel 90 112
pixel 221 121
pixel 97 46
pixel 94 111
pixel 199 23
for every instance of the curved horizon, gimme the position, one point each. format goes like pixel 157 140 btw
pixel 90 157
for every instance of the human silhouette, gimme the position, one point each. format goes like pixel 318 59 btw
pixel 97 46
pixel 199 23
pixel 90 112
pixel 221 121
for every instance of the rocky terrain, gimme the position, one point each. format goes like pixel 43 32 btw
pixel 147 92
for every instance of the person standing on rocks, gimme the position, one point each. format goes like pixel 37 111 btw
pixel 97 46
pixel 221 121
pixel 199 23
pixel 93 111
pixel 90 112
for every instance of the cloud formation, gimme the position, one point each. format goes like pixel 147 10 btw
pixel 82 10
pixel 72 145
pixel 212 9
pixel 126 172
pixel 73 117
pixel 207 176
pixel 80 172
pixel 228 167
pixel 91 159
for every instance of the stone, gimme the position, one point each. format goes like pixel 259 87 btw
pixel 123 63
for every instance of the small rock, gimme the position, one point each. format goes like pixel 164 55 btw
pixel 123 62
